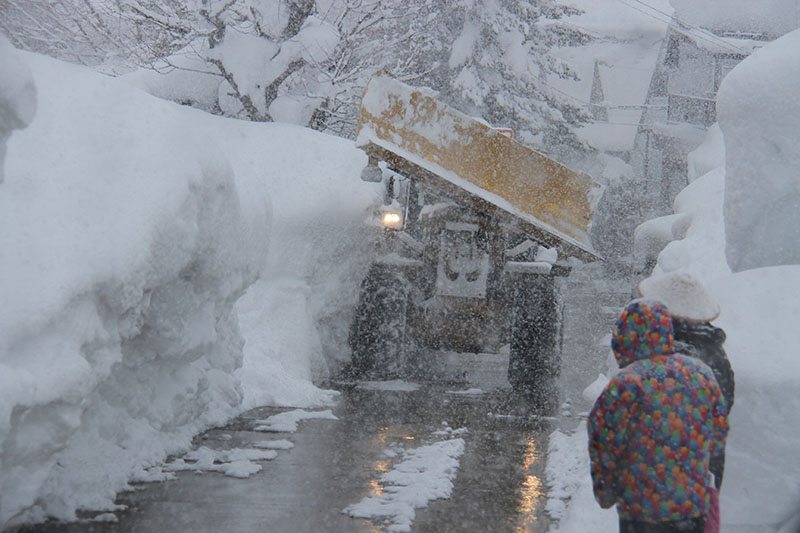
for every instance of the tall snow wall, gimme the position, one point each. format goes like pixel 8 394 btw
pixel 124 245
pixel 759 114
pixel 131 230
pixel 17 95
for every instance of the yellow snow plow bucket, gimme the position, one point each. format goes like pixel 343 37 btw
pixel 405 125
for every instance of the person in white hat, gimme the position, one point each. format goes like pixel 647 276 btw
pixel 693 310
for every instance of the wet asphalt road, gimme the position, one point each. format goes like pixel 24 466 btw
pixel 500 483
pixel 335 463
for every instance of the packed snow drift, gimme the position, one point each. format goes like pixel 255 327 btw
pixel 130 228
pixel 759 113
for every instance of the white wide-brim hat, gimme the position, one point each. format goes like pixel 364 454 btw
pixel 683 294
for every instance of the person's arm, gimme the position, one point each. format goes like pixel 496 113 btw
pixel 607 427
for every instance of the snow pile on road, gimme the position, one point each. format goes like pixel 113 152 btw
pixel 129 228
pixel 235 462
pixel 287 421
pixel 759 113
pixel 279 444
pixel 759 307
pixel 425 473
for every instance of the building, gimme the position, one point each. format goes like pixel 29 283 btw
pixel 681 105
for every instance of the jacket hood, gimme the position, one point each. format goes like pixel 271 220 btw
pixel 642 330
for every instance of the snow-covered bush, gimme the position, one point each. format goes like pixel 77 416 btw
pixel 759 115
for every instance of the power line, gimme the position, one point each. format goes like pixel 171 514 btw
pixel 684 23
pixel 700 35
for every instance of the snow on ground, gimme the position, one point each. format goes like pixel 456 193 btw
pixel 566 471
pixel 236 462
pixel 424 474
pixel 467 392
pixel 759 308
pixel 287 421
pixel 279 444
pixel 129 228
pixel 447 431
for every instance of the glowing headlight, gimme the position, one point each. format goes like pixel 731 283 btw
pixel 391 219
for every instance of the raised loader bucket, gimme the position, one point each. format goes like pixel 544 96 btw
pixel 408 127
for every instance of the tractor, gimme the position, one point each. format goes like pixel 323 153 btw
pixel 476 230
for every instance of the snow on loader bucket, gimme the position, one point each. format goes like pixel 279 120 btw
pixel 475 228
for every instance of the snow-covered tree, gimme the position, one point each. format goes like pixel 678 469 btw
pixel 499 60
pixel 307 61
pixel 71 30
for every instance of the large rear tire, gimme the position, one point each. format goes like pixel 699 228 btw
pixel 377 335
pixel 535 357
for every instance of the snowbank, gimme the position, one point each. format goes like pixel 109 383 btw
pixel 129 228
pixel 702 250
pixel 17 95
pixel 759 114
pixel 123 246
pixel 708 156
pixel 759 307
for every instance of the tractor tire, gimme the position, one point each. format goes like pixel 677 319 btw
pixel 535 356
pixel 378 333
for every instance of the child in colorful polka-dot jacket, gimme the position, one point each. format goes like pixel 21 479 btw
pixel 653 427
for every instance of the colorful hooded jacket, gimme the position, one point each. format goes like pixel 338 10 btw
pixel 652 429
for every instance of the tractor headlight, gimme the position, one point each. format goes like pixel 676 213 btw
pixel 391 219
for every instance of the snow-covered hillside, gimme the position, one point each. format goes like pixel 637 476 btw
pixel 130 228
